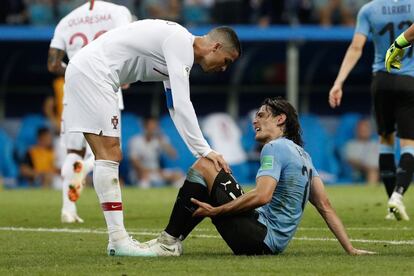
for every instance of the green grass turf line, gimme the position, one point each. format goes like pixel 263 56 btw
pixel 361 208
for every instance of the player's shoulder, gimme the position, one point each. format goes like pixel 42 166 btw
pixel 278 145
pixel 369 7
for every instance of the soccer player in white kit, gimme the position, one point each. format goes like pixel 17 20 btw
pixel 83 25
pixel 146 50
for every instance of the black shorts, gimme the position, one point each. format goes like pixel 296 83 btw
pixel 393 103
pixel 243 233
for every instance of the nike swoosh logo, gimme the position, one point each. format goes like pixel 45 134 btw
pixel 115 206
pixel 172 250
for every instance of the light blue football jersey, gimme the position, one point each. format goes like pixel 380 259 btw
pixel 292 168
pixel 386 20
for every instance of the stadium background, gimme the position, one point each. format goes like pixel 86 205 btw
pixel 299 61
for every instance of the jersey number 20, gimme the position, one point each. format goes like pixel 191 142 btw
pixel 84 38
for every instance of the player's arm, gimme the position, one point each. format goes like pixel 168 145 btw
pixel 179 58
pixel 261 195
pixel 319 199
pixel 55 62
pixel 353 54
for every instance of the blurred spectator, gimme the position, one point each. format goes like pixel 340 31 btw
pixel 41 12
pixel 230 12
pixel 13 12
pixel 338 12
pixel 39 168
pixel 225 136
pixel 362 153
pixel 299 11
pixel 50 111
pixel 197 12
pixel 63 7
pixel 268 12
pixel 161 9
pixel 145 154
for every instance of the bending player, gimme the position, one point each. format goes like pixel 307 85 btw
pixel 265 219
pixel 146 50
pixel 72 33
pixel 393 97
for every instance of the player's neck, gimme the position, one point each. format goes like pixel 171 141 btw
pixel 276 136
pixel 199 47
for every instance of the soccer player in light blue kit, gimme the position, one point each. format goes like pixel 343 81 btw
pixel 393 94
pixel 265 219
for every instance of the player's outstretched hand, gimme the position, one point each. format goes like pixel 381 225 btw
pixel 335 96
pixel 358 252
pixel 204 209
pixel 218 161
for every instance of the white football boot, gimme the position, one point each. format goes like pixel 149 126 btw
pixel 396 206
pixel 128 247
pixel 164 245
pixel 67 217
pixel 390 215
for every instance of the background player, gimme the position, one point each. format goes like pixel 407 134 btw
pixel 83 25
pixel 146 50
pixel 393 95
pixel 394 60
pixel 284 182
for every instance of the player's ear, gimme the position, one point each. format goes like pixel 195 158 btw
pixel 280 119
pixel 217 46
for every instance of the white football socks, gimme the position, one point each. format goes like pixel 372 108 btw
pixel 106 182
pixel 67 175
pixel 89 163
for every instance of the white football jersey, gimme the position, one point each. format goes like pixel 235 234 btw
pixel 149 50
pixel 82 25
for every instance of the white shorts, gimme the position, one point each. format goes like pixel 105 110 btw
pixel 90 106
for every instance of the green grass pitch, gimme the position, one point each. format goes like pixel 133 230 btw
pixel 33 241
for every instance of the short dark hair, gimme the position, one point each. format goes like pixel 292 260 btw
pixel 228 35
pixel 292 130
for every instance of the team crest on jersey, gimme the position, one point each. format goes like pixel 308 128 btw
pixel 186 71
pixel 115 121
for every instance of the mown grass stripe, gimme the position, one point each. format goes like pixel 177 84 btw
pixel 155 233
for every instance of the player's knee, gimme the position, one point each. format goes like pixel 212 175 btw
pixel 109 153
pixel 203 165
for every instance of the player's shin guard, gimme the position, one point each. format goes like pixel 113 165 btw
pixel 387 170
pixel 67 172
pixel 181 220
pixel 106 183
pixel 405 170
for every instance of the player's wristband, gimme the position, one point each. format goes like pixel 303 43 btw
pixel 401 42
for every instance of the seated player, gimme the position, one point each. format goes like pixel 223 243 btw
pixel 38 167
pixel 145 155
pixel 361 153
pixel 263 220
